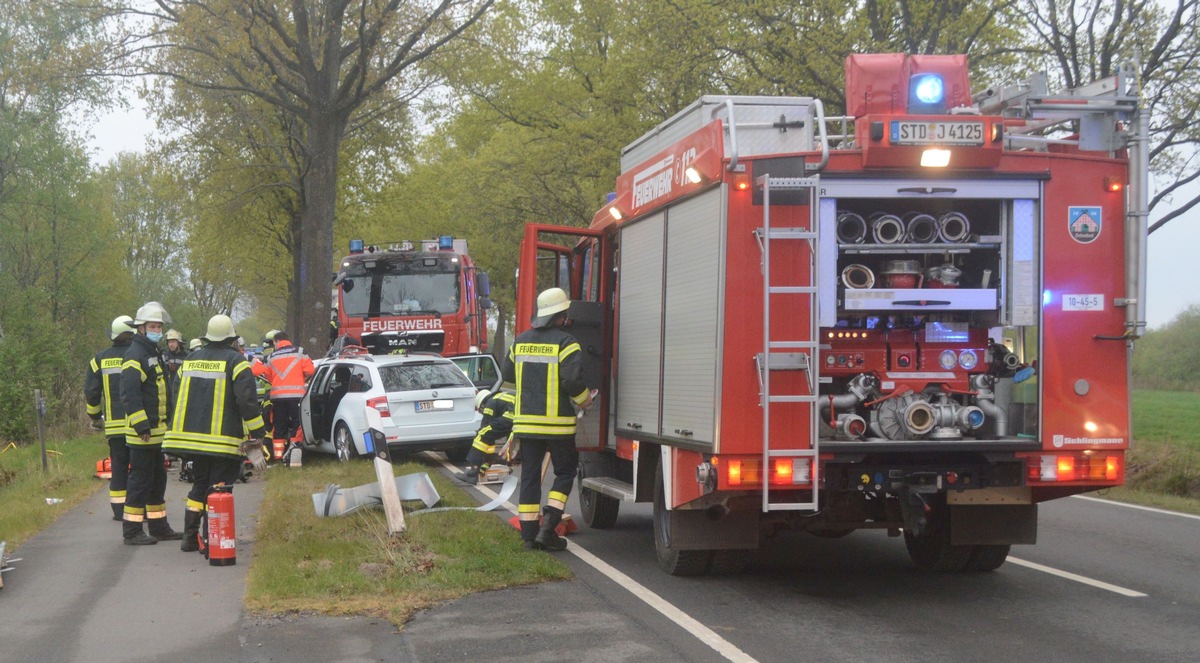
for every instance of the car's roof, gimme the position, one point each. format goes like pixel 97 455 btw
pixel 391 360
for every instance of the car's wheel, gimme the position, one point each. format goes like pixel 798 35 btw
pixel 458 454
pixel 599 511
pixel 343 443
pixel 987 558
pixel 931 550
pixel 674 561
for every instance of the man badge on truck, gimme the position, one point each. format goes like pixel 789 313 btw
pixel 1084 223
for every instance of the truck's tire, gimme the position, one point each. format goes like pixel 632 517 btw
pixel 599 511
pixel 987 558
pixel 931 551
pixel 674 562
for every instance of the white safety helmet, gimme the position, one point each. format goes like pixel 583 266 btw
pixel 550 303
pixel 195 343
pixel 220 327
pixel 151 312
pixel 481 398
pixel 173 335
pixel 122 325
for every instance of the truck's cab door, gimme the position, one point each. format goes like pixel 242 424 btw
pixel 579 261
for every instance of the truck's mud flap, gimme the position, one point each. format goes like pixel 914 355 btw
pixel 993 525
pixel 706 530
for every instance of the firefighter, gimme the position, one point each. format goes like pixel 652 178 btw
pixel 497 423
pixel 175 351
pixel 216 409
pixel 194 344
pixel 288 370
pixel 147 398
pixel 545 364
pixel 102 390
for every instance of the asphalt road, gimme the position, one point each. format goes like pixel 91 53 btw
pixel 80 595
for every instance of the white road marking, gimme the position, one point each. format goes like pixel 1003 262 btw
pixel 1137 506
pixel 1076 577
pixel 658 603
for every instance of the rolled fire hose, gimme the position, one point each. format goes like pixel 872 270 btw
pixel 858 277
pixel 922 228
pixel 887 229
pixel 851 228
pixel 953 228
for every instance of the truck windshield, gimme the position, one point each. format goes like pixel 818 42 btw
pixel 426 293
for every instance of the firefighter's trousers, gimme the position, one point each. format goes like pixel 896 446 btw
pixel 208 471
pixel 565 459
pixel 285 416
pixel 118 457
pixel 145 499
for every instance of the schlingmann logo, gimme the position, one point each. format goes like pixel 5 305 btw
pixel 1061 440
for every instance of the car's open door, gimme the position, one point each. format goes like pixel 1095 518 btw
pixel 579 261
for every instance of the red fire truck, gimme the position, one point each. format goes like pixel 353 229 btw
pixel 915 318
pixel 421 296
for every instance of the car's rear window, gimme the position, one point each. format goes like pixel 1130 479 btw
pixel 413 376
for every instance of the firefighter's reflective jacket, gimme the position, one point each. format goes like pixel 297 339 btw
pixel 288 369
pixel 547 368
pixel 145 392
pixel 497 421
pixel 102 388
pixel 217 405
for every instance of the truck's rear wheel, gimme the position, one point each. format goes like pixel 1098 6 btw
pixel 675 562
pixel 931 550
pixel 987 558
pixel 599 511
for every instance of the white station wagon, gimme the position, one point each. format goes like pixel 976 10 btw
pixel 426 402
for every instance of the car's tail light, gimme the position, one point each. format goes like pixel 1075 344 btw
pixel 380 403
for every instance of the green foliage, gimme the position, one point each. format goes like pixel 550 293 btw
pixel 24 487
pixel 1168 359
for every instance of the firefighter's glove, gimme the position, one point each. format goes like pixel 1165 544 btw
pixel 253 451
pixel 97 423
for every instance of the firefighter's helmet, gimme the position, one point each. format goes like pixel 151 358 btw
pixel 122 325
pixel 269 338
pixel 195 343
pixel 481 398
pixel 220 327
pixel 173 335
pixel 151 312
pixel 550 303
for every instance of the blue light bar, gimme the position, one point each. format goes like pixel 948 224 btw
pixel 356 246
pixel 926 94
pixel 445 242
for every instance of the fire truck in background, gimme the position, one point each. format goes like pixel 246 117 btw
pixel 915 318
pixel 418 296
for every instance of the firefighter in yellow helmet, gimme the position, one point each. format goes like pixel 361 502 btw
pixel 546 365
pixel 147 397
pixel 102 390
pixel 217 407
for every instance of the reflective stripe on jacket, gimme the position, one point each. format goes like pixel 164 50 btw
pixel 144 392
pixel 217 405
pixel 102 388
pixel 547 368
pixel 288 370
pixel 497 421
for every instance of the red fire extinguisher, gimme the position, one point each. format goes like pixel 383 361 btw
pixel 221 545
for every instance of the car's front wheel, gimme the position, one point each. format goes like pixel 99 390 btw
pixel 343 443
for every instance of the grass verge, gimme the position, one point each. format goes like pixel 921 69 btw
pixel 350 565
pixel 24 487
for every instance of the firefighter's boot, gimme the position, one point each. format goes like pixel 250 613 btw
pixel 134 536
pixel 161 530
pixel 470 475
pixel 547 537
pixel 191 531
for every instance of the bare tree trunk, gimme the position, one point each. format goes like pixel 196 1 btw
pixel 315 244
pixel 499 350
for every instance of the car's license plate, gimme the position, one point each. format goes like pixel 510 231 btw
pixel 925 132
pixel 430 406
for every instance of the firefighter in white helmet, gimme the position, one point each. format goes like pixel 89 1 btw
pixel 217 408
pixel 497 409
pixel 546 365
pixel 147 397
pixel 102 390
pixel 175 351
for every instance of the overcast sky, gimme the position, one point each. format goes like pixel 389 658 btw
pixel 1174 250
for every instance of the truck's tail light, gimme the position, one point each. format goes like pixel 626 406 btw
pixel 380 403
pixel 1079 466
pixel 791 471
pixel 781 471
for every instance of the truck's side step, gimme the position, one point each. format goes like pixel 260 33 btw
pixel 609 486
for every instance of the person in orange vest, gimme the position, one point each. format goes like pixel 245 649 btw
pixel 288 370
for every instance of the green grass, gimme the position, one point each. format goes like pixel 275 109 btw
pixel 1163 465
pixel 71 467
pixel 350 565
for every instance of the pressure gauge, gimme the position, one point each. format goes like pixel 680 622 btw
pixel 967 359
pixel 948 360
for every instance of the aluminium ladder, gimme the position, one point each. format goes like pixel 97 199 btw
pixel 789 354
